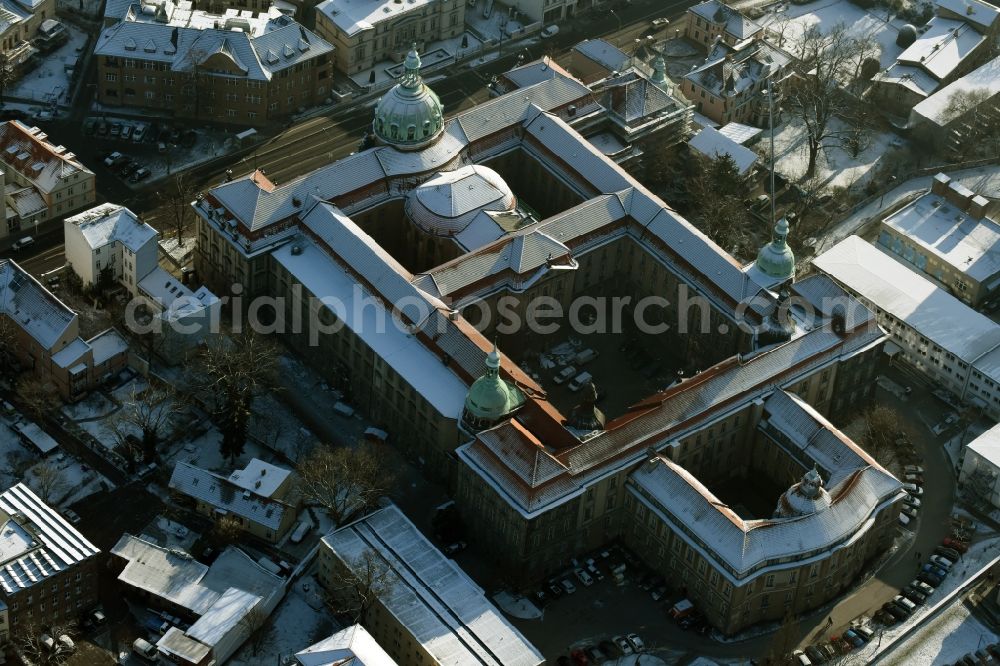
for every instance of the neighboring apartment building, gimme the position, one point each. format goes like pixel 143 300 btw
pixel 48 570
pixel 946 235
pixel 48 340
pixel 965 112
pixel 352 646
pixel 952 344
pixel 945 50
pixel 713 19
pixel 547 11
pixel 729 85
pixel 110 239
pixel 20 21
pixel 983 15
pixel 595 59
pixel 42 181
pixel 979 478
pixel 238 68
pixel 430 612
pixel 261 497
pixel 216 599
pixel 367 32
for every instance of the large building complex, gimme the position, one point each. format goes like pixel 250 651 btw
pixel 429 611
pixel 955 346
pixel 48 570
pixel 451 230
pixel 240 67
pixel 946 235
pixel 365 32
pixel 42 181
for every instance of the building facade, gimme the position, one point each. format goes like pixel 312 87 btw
pixel 49 573
pixel 713 20
pixel 240 68
pixel 979 478
pixel 42 181
pixel 367 33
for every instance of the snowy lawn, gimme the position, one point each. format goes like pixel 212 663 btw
pixel 94 406
pixel 179 252
pixel 13 456
pixel 834 165
pixel 791 21
pixel 202 450
pixel 64 480
pixel 277 428
pixel 50 80
pixel 300 620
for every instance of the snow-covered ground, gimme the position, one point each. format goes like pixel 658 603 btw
pixel 945 639
pixel 94 406
pixel 179 252
pixel 933 640
pixel 272 422
pixel 13 456
pixel 50 80
pixel 300 620
pixel 790 22
pixel 66 480
pixel 835 167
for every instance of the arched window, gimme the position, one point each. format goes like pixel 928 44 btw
pixel 411 132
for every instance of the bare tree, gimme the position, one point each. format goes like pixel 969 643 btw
pixel 38 395
pixel 255 625
pixel 357 586
pixel 7 76
pixel 41 646
pixel 47 480
pixel 346 481
pixel 233 371
pixel 881 428
pixel 830 63
pixel 146 412
pixel 176 196
pixel 10 365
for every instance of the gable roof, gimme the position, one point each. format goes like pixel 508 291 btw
pixel 33 307
pixel 222 493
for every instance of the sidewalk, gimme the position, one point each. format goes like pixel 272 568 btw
pixel 982 180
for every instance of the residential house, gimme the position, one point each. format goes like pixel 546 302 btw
pixel 979 478
pixel 367 32
pixel 946 236
pixel 352 645
pixel 48 570
pixel 959 116
pixel 19 26
pixel 261 497
pixel 713 19
pixel 42 181
pixel 237 68
pixel 712 144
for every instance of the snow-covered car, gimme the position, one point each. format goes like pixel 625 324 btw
pixel 913 469
pixel 635 642
pixel 942 562
pixel 114 159
pixel 72 516
pixel 623 644
pixel 583 577
pixel 912 501
pixel 913 489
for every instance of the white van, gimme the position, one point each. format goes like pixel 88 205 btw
pixel 580 381
pixel 300 532
pixel 144 649
pixel 23 243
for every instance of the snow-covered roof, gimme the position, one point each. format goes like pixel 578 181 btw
pixel 987 445
pixel 911 78
pixel 53 545
pixel 712 144
pixel 984 80
pixel 942 48
pixel 352 646
pixel 737 25
pixel 223 616
pixel 430 596
pixel 28 151
pixel 604 54
pixel 980 13
pixel 175 575
pixel 730 71
pixel 33 307
pixel 934 313
pixel 221 493
pixel 970 245
pixel 174 297
pixel 354 16
pixel 71 354
pixel 740 133
pixel 110 223
pixel 25 201
pixel 447 203
pixel 325 278
pixel 106 345
pixel 187 650
pixel 257 46
pixel 260 477
pixel 536 71
pixel 32 432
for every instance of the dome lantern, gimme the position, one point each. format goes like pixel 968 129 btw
pixel 409 116
pixel 776 259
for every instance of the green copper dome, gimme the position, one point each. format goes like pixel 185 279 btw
pixel 490 398
pixel 409 116
pixel 776 259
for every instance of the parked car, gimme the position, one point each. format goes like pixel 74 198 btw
pixel 909 512
pixel 885 618
pixel 564 375
pixel 931 579
pixel 623 645
pixel 923 587
pixel 904 604
pixel 583 577
pixel 815 654
pixel 658 593
pixel 635 642
pixel 568 586
pixel 116 130
pixel 864 632
pixel 913 489
pixel 89 126
pixel 955 544
pixel 916 479
pixel 942 562
pixel 914 595
pixel 937 571
pixel 895 611
pixel 140 175
pixel 913 469
pixel 854 638
pixel 114 159
pixel 550 31
pixel 131 167
pixel 126 132
pixel 102 128
pixel 71 516
pixel 904 520
pixel 912 501
pixel 140 133
pixel 555 589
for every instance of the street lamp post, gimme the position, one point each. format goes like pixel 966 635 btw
pixel 892 179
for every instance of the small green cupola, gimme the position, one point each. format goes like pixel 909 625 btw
pixel 776 259
pixel 490 398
